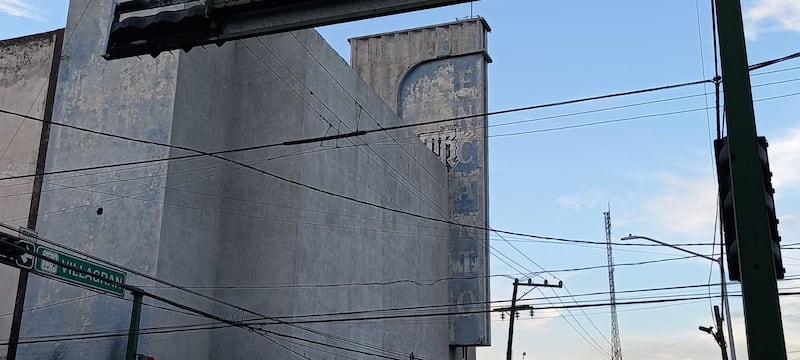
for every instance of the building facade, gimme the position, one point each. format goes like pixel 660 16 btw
pixel 27 86
pixel 343 247
pixel 428 75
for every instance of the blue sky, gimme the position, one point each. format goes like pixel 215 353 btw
pixel 656 171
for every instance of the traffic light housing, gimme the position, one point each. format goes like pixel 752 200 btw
pixel 726 199
pixel 11 249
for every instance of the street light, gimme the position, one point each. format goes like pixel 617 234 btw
pixel 723 285
pixel 720 339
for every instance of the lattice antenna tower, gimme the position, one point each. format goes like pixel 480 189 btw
pixel 616 348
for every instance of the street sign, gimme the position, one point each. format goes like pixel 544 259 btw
pixel 28 241
pixel 26 260
pixel 60 266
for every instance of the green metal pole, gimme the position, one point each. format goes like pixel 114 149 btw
pixel 762 311
pixel 133 332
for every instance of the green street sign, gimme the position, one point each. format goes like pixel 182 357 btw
pixel 52 264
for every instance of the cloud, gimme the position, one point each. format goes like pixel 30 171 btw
pixel 20 8
pixel 685 204
pixel 772 15
pixel 541 322
pixel 784 160
pixel 579 202
pixel 790 312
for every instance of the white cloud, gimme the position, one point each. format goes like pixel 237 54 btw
pixel 541 322
pixel 784 160
pixel 684 204
pixel 20 8
pixel 790 312
pixel 579 202
pixel 772 15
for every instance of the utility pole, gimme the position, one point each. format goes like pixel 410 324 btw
pixel 133 331
pixel 762 312
pixel 718 335
pixel 724 287
pixel 513 310
pixel 726 304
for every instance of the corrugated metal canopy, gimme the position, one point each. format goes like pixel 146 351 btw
pixel 151 26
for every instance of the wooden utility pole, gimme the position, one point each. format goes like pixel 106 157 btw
pixel 762 311
pixel 513 310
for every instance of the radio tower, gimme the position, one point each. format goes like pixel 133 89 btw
pixel 616 348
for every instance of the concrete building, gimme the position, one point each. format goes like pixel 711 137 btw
pixel 332 238
pixel 27 86
pixel 434 73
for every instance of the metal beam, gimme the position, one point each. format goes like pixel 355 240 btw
pixel 762 311
pixel 140 27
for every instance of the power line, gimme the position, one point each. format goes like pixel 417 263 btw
pixel 300 184
pixel 360 132
pixel 253 322
pixel 609 121
pixel 481 244
pixel 423 283
pixel 53 338
pixel 764 64
pixel 776 71
pixel 556 307
pixel 316 224
pixel 159 298
pixel 188 308
pixel 208 154
pixel 439 314
pixel 591 341
pixel 216 154
pixel 418 192
pixel 130 196
pixel 306 140
pixel 501 124
pixel 626 119
pixel 426 307
pixel 57 303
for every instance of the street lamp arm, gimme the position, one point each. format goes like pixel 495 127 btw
pixel 719 336
pixel 631 237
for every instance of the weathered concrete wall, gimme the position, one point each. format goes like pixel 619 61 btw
pixel 192 215
pixel 245 237
pixel 132 97
pixel 25 73
pixel 383 60
pixel 289 235
pixel 436 73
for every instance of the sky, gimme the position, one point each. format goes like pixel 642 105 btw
pixel 654 167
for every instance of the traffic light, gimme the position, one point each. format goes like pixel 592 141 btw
pixel 726 198
pixel 12 250
pixel 769 198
